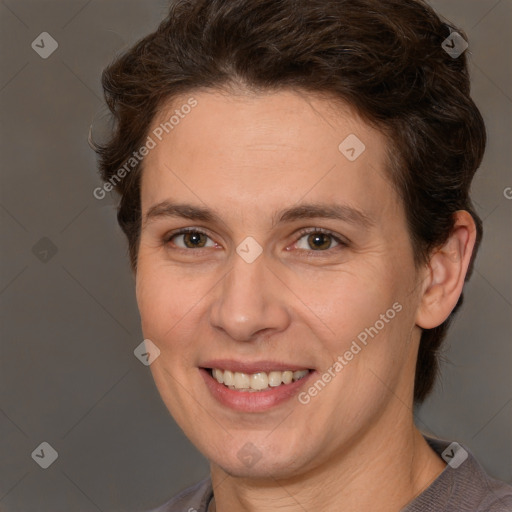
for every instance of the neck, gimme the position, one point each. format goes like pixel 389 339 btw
pixel 377 472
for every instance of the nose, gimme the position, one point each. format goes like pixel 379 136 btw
pixel 251 301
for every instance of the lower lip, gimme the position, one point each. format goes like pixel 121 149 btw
pixel 257 401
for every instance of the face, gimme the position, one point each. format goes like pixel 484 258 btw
pixel 297 258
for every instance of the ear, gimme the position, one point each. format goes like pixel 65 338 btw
pixel 445 274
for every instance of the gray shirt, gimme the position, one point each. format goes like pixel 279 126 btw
pixel 463 486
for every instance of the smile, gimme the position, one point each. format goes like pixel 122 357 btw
pixel 258 381
pixel 253 386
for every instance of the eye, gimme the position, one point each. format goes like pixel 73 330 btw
pixel 311 240
pixel 318 240
pixel 191 238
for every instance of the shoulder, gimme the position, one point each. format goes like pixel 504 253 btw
pixel 497 495
pixel 192 499
pixel 464 485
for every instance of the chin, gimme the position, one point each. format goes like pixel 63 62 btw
pixel 264 471
pixel 250 462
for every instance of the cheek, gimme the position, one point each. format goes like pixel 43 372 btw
pixel 163 301
pixel 345 301
pixel 367 316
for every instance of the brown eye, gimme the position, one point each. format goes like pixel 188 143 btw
pixel 318 241
pixel 190 239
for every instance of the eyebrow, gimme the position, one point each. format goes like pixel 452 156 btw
pixel 340 212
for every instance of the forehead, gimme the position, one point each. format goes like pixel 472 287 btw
pixel 259 150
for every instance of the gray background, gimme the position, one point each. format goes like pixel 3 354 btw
pixel 69 321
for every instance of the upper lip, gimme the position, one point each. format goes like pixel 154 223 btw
pixel 251 367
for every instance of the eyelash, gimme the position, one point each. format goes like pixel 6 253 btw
pixel 307 231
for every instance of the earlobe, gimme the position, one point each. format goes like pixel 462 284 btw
pixel 446 273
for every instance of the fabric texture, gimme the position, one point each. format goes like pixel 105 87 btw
pixel 463 486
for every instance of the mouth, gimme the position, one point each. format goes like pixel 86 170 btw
pixel 255 387
pixel 258 381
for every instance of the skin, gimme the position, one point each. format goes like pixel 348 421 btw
pixel 354 446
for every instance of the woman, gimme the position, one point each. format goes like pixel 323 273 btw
pixel 294 185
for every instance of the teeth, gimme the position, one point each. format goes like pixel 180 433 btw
pixel 256 381
pixel 242 381
pixel 274 379
pixel 219 375
pixel 287 377
pixel 227 376
pixel 259 381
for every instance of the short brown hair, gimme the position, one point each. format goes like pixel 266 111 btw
pixel 384 58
